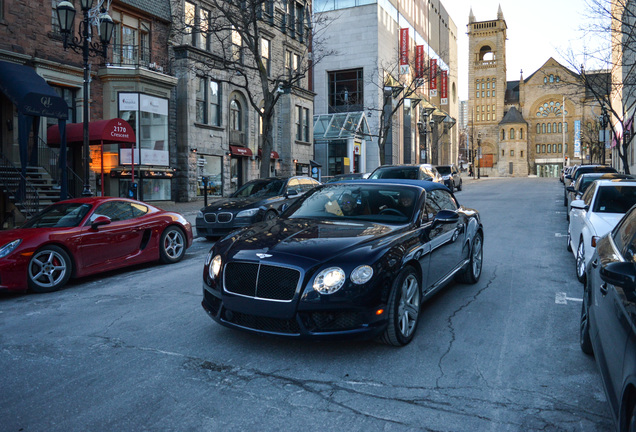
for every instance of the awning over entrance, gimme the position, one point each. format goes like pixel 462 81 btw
pixel 240 151
pixel 272 155
pixel 30 93
pixel 101 131
pixel 340 126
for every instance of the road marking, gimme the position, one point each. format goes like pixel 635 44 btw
pixel 562 298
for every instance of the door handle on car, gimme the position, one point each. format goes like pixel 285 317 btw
pixel 603 289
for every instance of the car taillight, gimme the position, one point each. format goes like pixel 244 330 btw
pixel 594 240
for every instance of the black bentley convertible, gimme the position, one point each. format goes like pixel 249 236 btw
pixel 349 259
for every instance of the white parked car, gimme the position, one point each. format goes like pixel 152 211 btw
pixel 600 208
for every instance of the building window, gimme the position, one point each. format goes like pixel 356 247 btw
pixel 512 152
pixel 549 148
pixel 521 133
pixel 299 121
pixel 306 120
pixel 190 23
pixel 551 78
pixel 482 93
pixel 477 94
pixel 488 116
pixel 131 40
pixel 549 128
pixel 487 93
pixel 554 148
pixel 265 53
pixel 237 47
pixel 214 94
pixel 554 127
pixel 512 133
pixel 55 24
pixel 202 101
pixel 493 93
pixel 560 148
pixel 543 148
pixel 521 153
pixel 478 86
pixel 236 122
pixel 560 127
pixel 503 152
pixel 204 29
pixel 503 134
pixel 346 91
pixel 538 128
pixel 488 84
pixel 538 148
pixel 478 108
pixel 493 107
pixel 292 61
pixel 542 127
pixel 493 85
pixel 565 126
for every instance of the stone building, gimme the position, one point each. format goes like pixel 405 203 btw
pixel 531 126
pixel 219 133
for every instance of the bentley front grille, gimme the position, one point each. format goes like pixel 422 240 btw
pixel 261 281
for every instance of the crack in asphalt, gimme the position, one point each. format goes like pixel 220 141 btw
pixel 452 329
pixel 433 398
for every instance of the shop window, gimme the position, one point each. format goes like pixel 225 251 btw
pixel 210 175
pixel 346 91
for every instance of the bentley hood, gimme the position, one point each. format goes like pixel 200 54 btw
pixel 235 204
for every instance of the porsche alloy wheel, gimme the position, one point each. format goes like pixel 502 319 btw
pixel 580 262
pixel 403 309
pixel 49 269
pixel 472 272
pixel 172 247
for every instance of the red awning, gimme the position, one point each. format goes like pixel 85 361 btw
pixel 107 131
pixel 272 155
pixel 240 151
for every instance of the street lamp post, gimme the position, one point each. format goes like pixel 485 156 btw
pixel 478 155
pixel 604 120
pixel 83 43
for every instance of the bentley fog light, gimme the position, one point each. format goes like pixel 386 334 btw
pixel 215 267
pixel 329 280
pixel 361 274
pixel 9 247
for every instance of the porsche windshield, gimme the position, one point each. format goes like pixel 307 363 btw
pixel 261 188
pixel 385 204
pixel 59 215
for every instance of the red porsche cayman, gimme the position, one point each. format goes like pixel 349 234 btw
pixel 83 236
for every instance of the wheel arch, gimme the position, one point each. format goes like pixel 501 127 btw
pixel 628 401
pixel 65 249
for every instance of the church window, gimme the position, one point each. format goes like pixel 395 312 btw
pixel 560 127
pixel 538 128
pixel 503 152
pixel 549 148
pixel 521 133
pixel 554 127
pixel 554 147
pixel 560 148
pixel 477 94
pixel 558 78
pixel 551 78
pixel 549 127
pixel 503 134
pixel 538 148
pixel 512 133
pixel 512 152
pixel 487 93
pixel 521 153
pixel 545 80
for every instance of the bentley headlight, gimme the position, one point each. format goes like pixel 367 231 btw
pixel 361 274
pixel 209 257
pixel 215 267
pixel 9 247
pixel 247 213
pixel 200 214
pixel 329 280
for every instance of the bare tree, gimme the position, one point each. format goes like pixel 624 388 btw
pixel 238 33
pixel 610 35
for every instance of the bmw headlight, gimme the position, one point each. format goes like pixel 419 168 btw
pixel 9 247
pixel 329 280
pixel 361 274
pixel 215 267
pixel 247 213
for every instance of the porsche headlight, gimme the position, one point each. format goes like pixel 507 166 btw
pixel 215 267
pixel 361 274
pixel 247 213
pixel 329 280
pixel 9 247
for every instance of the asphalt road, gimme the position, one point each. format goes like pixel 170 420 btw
pixel 133 350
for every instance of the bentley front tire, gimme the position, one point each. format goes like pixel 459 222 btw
pixel 403 309
pixel 472 272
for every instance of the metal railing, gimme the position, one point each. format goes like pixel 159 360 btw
pixel 49 159
pixel 23 195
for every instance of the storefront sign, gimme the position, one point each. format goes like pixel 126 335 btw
pixel 433 78
pixel 128 102
pixel 404 51
pixel 577 138
pixel 419 61
pixel 444 88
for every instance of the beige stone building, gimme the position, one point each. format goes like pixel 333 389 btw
pixel 532 126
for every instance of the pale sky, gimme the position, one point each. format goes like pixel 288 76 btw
pixel 537 30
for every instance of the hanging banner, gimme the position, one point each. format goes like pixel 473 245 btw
pixel 444 88
pixel 404 51
pixel 419 61
pixel 433 78
pixel 577 138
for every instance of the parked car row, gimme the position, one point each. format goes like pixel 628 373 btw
pixel 602 238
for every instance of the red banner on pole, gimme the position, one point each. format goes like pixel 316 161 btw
pixel 433 78
pixel 419 61
pixel 404 51
pixel 444 88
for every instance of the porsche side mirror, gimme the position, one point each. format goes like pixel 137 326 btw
pixel 621 274
pixel 579 204
pixel 99 221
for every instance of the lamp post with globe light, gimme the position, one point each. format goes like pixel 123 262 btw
pixel 84 44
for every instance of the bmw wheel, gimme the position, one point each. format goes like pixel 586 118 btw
pixel 403 309
pixel 49 269
pixel 472 272
pixel 584 333
pixel 580 262
pixel 172 245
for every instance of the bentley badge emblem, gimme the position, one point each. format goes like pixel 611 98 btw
pixel 262 255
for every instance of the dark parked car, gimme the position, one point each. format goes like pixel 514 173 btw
pixel 577 171
pixel 608 318
pixel 350 176
pixel 255 201
pixel 451 176
pixel 84 236
pixel 407 172
pixel 349 259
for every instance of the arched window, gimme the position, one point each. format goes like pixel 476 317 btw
pixel 521 133
pixel 543 148
pixel 478 85
pixel 560 127
pixel 236 122
pixel 503 134
pixel 545 80
pixel 554 127
pixel 565 126
pixel 493 86
pixel 549 127
pixel 538 148
pixel 551 78
pixel 538 128
pixel 503 152
pixel 554 147
pixel 542 127
pixel 512 133
pixel 549 148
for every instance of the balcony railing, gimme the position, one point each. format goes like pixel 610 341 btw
pixel 136 56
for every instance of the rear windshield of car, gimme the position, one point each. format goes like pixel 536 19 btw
pixel 59 216
pixel 261 188
pixel 444 170
pixel 615 199
pixel 395 173
pixel 600 169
